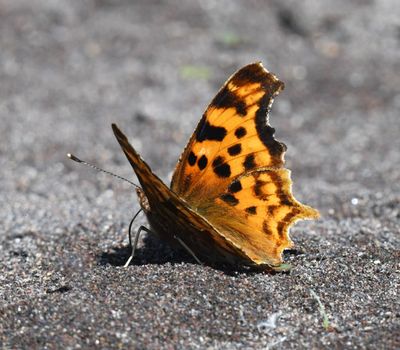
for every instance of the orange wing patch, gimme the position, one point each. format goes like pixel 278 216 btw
pixel 232 137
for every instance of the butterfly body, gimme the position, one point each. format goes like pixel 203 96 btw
pixel 230 197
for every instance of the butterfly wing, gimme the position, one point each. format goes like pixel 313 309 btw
pixel 231 171
pixel 232 137
pixel 171 218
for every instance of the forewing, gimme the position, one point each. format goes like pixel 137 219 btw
pixel 233 136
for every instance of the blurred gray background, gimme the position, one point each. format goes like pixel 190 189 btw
pixel 68 69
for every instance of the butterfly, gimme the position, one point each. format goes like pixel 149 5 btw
pixel 230 200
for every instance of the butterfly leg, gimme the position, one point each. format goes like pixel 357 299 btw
pixel 133 246
pixel 183 244
pixel 135 242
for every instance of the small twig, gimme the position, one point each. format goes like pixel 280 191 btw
pixel 325 319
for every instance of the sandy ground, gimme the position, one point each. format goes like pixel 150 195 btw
pixel 68 69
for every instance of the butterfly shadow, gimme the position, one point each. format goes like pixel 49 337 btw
pixel 152 252
pixel 155 252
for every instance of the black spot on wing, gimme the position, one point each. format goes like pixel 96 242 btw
pixel 258 190
pixel 271 209
pixel 249 162
pixel 206 131
pixel 240 132
pixel 266 228
pixel 235 149
pixel 277 181
pixel 251 210
pixel 285 221
pixel 258 187
pixel 235 186
pixel 192 158
pixel 221 168
pixel 284 199
pixel 202 163
pixel 228 99
pixel 230 199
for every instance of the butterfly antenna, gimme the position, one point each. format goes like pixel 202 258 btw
pixel 76 159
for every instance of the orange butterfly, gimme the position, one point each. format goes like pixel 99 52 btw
pixel 230 198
